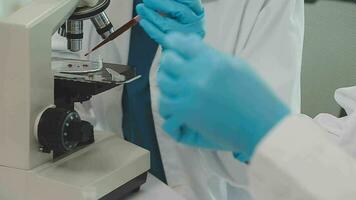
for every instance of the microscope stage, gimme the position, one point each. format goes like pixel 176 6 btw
pixel 79 80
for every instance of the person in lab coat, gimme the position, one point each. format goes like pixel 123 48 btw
pixel 215 101
pixel 269 34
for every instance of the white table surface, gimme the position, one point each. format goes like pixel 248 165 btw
pixel 154 189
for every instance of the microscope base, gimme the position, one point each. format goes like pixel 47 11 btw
pixel 127 189
pixel 109 169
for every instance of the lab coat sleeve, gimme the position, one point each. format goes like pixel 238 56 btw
pixel 342 130
pixel 297 162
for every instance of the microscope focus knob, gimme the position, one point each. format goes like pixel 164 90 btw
pixel 61 130
pixel 82 132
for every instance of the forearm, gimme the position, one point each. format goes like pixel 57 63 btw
pixel 296 161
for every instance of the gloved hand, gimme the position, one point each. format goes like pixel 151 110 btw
pixel 217 95
pixel 188 136
pixel 159 17
pixel 185 135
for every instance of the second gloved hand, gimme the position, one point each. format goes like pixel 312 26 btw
pixel 217 95
pixel 159 17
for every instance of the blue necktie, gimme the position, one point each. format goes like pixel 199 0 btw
pixel 138 124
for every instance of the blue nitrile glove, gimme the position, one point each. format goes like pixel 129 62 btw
pixel 185 135
pixel 217 95
pixel 159 17
pixel 188 136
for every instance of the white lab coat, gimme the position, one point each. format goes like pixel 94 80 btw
pixel 298 160
pixel 269 35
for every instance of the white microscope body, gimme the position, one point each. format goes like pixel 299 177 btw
pixel 103 170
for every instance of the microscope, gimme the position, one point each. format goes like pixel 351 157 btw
pixel 46 150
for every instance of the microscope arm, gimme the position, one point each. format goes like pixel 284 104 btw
pixel 47 14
